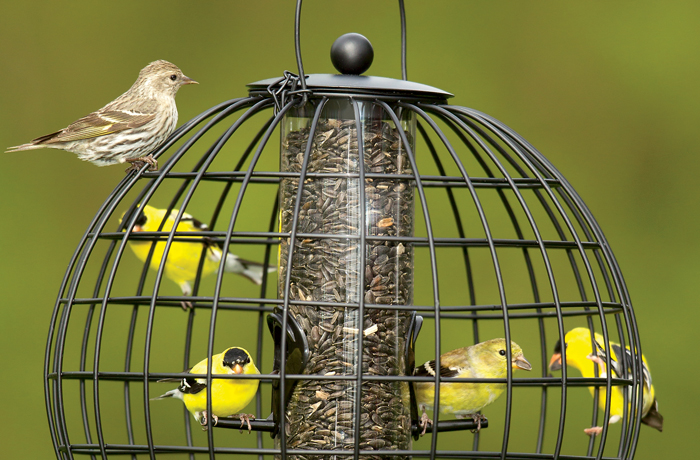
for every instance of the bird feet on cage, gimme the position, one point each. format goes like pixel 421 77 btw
pixel 186 305
pixel 478 418
pixel 203 420
pixel 424 422
pixel 137 163
pixel 245 421
pixel 152 162
pixel 593 431
pixel 596 359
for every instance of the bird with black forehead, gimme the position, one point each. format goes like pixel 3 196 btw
pixel 585 352
pixel 182 262
pixel 228 396
pixel 127 129
pixel 486 360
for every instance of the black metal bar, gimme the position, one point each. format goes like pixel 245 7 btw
pixel 255 425
pixel 497 150
pixel 122 449
pixel 596 292
pixel 430 180
pixel 433 261
pixel 297 50
pixel 360 286
pixel 402 12
pixel 288 272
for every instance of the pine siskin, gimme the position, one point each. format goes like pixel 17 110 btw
pixel 128 128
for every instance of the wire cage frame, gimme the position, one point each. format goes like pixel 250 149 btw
pixel 529 257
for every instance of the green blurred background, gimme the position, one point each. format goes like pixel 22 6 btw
pixel 608 92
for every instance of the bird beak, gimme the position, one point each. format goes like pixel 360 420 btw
pixel 188 81
pixel 520 362
pixel 555 362
pixel 137 228
pixel 237 369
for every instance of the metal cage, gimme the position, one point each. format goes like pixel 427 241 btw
pixel 520 254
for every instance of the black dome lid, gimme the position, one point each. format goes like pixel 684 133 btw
pixel 358 85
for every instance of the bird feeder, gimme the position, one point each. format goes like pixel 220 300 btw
pixel 390 207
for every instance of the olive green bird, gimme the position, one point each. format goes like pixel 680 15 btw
pixel 487 360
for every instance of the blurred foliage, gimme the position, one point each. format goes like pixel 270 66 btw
pixel 607 91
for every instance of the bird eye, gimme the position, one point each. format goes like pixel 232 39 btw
pixel 173 77
pixel 502 352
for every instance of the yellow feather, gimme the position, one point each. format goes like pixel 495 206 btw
pixel 579 347
pixel 482 360
pixel 229 396
pixel 183 257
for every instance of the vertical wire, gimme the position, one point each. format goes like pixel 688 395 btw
pixel 78 263
pixel 211 154
pixel 186 365
pixel 297 48
pixel 545 257
pixel 605 248
pixel 361 285
pixel 225 110
pixel 261 314
pixel 511 142
pixel 520 235
pixel 465 251
pixel 402 10
pixel 127 368
pixel 288 274
pixel 433 265
pixel 536 171
pixel 607 262
pixel 49 383
pixel 224 255
pixel 159 274
pixel 496 266
pixel 77 266
pixel 217 210
pixel 562 236
pixel 81 367
pixel 443 112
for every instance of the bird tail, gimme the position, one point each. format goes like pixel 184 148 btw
pixel 254 271
pixel 176 393
pixel 19 148
pixel 653 418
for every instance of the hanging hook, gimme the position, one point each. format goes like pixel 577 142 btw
pixel 284 87
pixel 402 10
pixel 297 49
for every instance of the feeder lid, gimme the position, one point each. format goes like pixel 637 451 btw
pixel 330 84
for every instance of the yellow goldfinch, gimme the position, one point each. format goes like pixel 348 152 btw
pixel 484 360
pixel 228 396
pixel 579 353
pixel 183 258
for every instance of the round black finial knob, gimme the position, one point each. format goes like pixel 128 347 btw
pixel 352 54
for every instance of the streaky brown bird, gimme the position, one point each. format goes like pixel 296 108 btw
pixel 127 129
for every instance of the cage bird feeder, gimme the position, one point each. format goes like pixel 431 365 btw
pixel 390 207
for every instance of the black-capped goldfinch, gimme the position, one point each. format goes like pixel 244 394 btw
pixel 580 354
pixel 486 360
pixel 183 258
pixel 228 396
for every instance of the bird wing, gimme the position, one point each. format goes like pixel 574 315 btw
pixel 428 370
pixel 98 124
pixel 621 359
pixel 191 386
pixel 188 385
pixel 192 224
